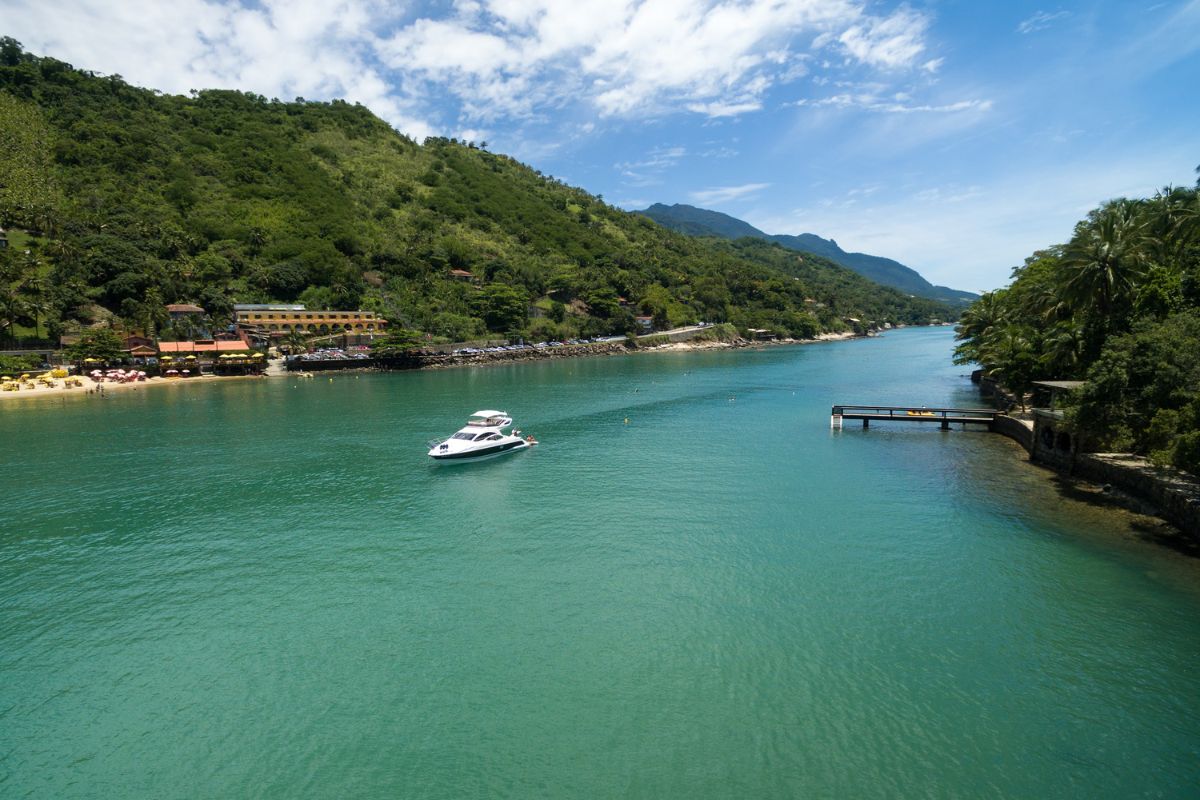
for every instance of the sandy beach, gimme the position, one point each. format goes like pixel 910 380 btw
pixel 91 388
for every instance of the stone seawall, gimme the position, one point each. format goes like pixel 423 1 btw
pixel 1169 493
pixel 1174 494
pixel 438 360
pixel 1013 428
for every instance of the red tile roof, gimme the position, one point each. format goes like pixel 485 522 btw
pixel 184 308
pixel 236 346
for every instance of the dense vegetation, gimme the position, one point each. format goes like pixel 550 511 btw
pixel 120 200
pixel 1118 306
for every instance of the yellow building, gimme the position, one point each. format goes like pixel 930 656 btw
pixel 281 320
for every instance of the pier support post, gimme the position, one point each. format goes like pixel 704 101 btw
pixel 866 423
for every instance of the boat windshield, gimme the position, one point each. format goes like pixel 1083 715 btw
pixel 470 437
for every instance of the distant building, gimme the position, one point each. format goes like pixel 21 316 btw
pixel 210 347
pixel 181 310
pixel 139 347
pixel 279 321
pixel 267 307
pixel 646 323
pixel 3 238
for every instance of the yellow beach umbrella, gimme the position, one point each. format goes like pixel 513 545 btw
pixel 257 355
pixel 190 358
pixel 165 358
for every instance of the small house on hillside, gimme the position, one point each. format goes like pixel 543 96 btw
pixel 181 310
pixel 139 348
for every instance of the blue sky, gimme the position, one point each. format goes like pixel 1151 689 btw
pixel 956 136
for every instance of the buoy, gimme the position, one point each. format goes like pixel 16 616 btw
pixel 627 420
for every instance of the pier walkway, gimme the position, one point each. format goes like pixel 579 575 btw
pixel 943 416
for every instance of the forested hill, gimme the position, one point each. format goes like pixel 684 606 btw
pixel 703 222
pixel 127 199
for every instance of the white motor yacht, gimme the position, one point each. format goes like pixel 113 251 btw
pixel 486 434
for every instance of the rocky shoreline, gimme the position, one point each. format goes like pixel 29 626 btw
pixel 433 360
pixel 1123 480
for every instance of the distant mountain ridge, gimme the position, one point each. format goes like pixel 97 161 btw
pixel 702 222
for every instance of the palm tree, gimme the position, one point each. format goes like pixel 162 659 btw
pixel 977 324
pixel 12 308
pixel 1062 350
pixel 1011 353
pixel 1172 220
pixel 296 341
pixel 37 306
pixel 1105 258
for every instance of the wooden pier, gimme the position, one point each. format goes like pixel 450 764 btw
pixel 945 417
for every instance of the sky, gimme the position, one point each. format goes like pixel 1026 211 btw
pixel 955 136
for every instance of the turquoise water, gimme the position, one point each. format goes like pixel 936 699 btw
pixel 692 588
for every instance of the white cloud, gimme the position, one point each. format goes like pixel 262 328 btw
pixel 648 171
pixel 1040 21
pixel 716 58
pixel 723 109
pixel 658 158
pixel 424 68
pixel 869 102
pixel 309 48
pixel 723 194
pixel 890 42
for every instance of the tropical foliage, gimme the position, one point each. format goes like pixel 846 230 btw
pixel 1119 306
pixel 126 200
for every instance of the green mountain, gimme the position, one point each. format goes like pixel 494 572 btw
pixel 127 199
pixel 702 222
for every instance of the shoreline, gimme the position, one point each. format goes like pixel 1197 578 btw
pixel 445 361
pixel 91 388
pixel 1122 481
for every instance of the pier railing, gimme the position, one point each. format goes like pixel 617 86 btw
pixel 945 417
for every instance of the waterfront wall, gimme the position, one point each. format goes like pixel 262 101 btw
pixel 1175 495
pixel 434 360
pixel 1015 429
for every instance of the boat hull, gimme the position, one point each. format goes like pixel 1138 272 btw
pixel 481 453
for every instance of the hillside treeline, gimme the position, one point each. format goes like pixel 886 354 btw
pixel 127 199
pixel 1118 306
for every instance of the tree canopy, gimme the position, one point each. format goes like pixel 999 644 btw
pixel 1119 306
